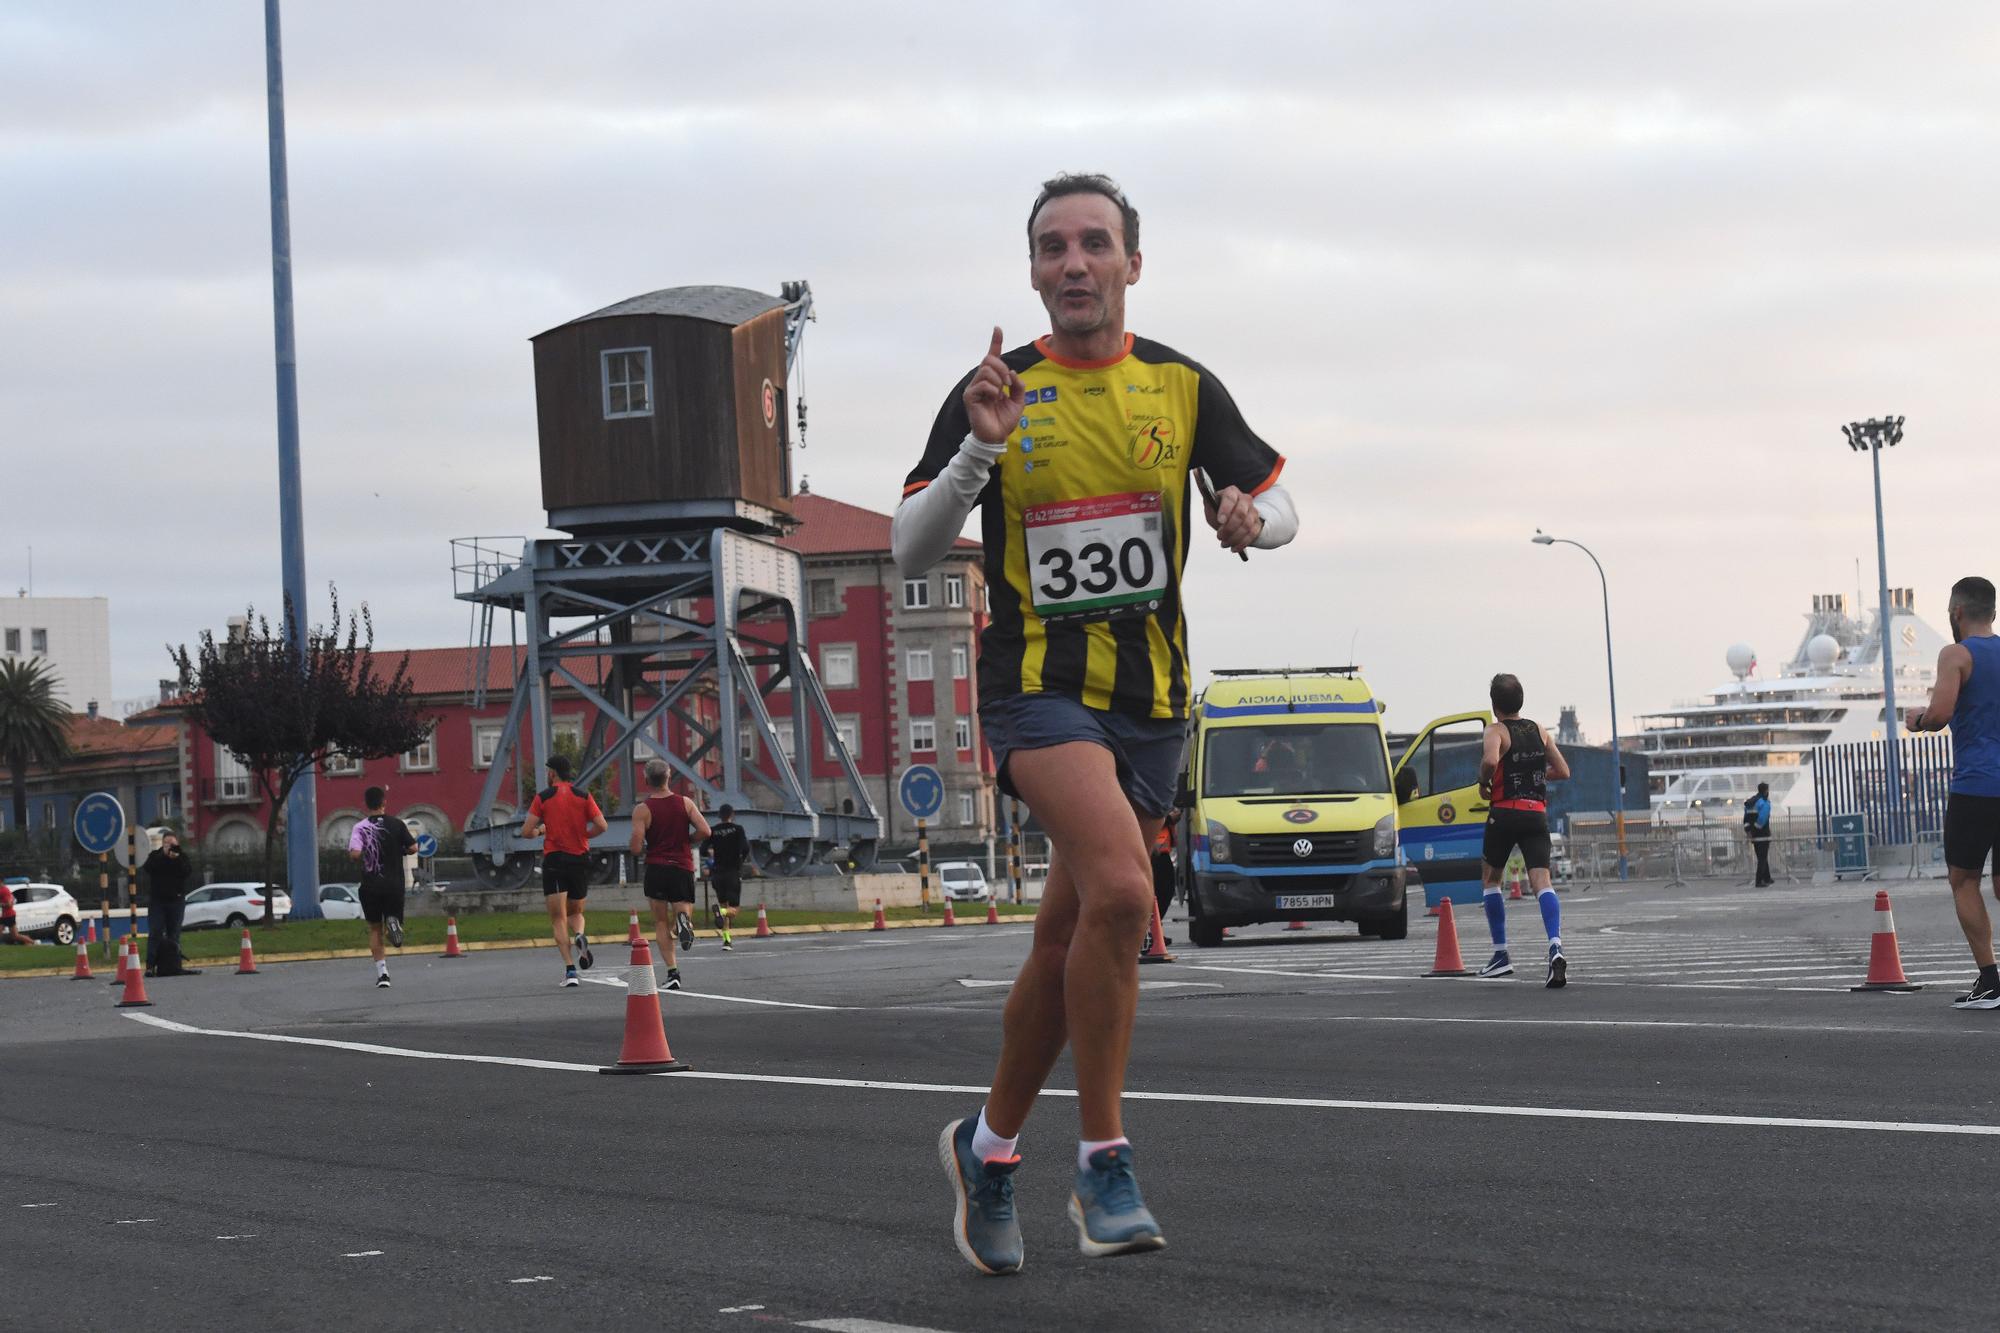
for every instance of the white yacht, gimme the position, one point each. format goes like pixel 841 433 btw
pixel 1709 754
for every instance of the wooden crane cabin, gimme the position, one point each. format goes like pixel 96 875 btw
pixel 666 409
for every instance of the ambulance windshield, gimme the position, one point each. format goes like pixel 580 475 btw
pixel 1324 759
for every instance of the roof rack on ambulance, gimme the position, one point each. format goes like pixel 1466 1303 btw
pixel 1288 671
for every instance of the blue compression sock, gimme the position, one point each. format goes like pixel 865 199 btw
pixel 1552 915
pixel 1496 917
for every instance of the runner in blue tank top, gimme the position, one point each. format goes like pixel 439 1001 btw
pixel 1967 698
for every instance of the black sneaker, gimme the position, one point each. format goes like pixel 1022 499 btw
pixel 381 981
pixel 569 978
pixel 673 978
pixel 1983 995
pixel 392 928
pixel 683 931
pixel 1558 970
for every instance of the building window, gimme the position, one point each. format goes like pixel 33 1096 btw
pixel 786 743
pixel 916 594
pixel 38 642
pixel 850 736
pixel 628 382
pixel 824 597
pixel 746 742
pixel 48 814
pixel 923 735
pixel 486 743
pixel 961 733
pixel 340 765
pixel 917 665
pixel 422 759
pixel 232 779
pixel 13 641
pixel 836 666
pixel 954 590
pixel 960 661
pixel 968 813
pixel 163 807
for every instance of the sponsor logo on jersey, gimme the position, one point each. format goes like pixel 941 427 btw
pixel 1153 444
pixel 1032 396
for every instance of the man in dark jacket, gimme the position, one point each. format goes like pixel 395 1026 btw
pixel 1757 825
pixel 167 872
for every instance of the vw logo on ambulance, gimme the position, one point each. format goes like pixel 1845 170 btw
pixel 1303 847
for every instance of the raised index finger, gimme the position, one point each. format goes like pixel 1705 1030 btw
pixel 997 346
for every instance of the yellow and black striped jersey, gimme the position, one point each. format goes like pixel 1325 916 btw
pixel 1085 520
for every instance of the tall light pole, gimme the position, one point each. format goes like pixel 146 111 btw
pixel 1617 755
pixel 1872 437
pixel 301 810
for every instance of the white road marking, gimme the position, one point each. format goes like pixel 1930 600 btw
pixel 542 1277
pixel 248 1235
pixel 361 1254
pixel 732 999
pixel 738 1309
pixel 863 1326
pixel 977 983
pixel 41 1205
pixel 135 1221
pixel 1188 1098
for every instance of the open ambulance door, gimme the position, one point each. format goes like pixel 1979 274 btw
pixel 1441 817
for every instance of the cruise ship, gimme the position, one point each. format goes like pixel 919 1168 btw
pixel 1709 754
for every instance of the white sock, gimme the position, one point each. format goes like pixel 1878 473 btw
pixel 382 967
pixel 988 1146
pixel 1085 1147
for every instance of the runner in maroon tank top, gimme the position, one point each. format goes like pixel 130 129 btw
pixel 665 829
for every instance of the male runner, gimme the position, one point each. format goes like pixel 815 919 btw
pixel 664 828
pixel 567 819
pixel 1079 448
pixel 1514 774
pixel 1967 698
pixel 379 843
pixel 727 848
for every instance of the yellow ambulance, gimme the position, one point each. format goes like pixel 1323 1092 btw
pixel 1290 805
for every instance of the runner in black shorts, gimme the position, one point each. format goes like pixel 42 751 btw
pixel 1967 698
pixel 379 843
pixel 727 848
pixel 664 827
pixel 567 819
pixel 1514 773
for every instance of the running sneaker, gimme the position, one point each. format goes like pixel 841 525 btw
pixel 569 977
pixel 728 945
pixel 583 957
pixel 393 928
pixel 683 931
pixel 716 915
pixel 1981 996
pixel 1558 968
pixel 382 981
pixel 673 978
pixel 1499 965
pixel 1110 1216
pixel 984 1226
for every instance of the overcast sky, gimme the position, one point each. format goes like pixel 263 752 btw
pixel 1618 271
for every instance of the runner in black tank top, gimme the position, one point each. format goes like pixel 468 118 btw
pixel 1515 770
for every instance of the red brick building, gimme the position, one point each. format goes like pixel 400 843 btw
pixel 898 659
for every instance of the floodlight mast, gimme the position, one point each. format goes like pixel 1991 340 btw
pixel 1611 674
pixel 1872 437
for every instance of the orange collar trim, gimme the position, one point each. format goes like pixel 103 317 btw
pixel 1042 345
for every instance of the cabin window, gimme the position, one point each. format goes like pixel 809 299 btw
pixel 628 382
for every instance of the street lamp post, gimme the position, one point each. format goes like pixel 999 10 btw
pixel 1617 755
pixel 1872 437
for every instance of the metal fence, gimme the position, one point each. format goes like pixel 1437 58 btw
pixel 1717 854
pixel 1853 780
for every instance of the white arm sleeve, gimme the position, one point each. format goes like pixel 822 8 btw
pixel 927 523
pixel 1281 520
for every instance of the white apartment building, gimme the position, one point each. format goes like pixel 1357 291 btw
pixel 71 634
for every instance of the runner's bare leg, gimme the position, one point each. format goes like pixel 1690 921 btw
pixel 559 918
pixel 1972 918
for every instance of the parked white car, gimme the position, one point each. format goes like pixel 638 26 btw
pixel 46 910
pixel 963 881
pixel 231 905
pixel 340 902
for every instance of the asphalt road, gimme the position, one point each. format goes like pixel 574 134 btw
pixel 1705 1130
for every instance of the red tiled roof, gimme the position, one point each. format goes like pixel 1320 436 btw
pixel 834 527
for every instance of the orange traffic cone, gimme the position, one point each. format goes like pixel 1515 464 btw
pixel 950 918
pixel 1513 886
pixel 632 935
pixel 246 961
pixel 82 972
pixel 124 962
pixel 645 1048
pixel 1885 961
pixel 992 912
pixel 881 922
pixel 1447 963
pixel 135 985
pixel 1156 940
pixel 1296 925
pixel 763 923
pixel 451 949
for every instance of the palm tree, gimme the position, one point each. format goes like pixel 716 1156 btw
pixel 34 725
